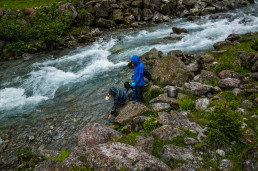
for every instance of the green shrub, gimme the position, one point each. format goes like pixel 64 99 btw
pixel 82 18
pixel 254 45
pixel 224 125
pixel 129 139
pixel 151 123
pixel 186 103
pixel 17 48
pixel 178 141
pixel 152 94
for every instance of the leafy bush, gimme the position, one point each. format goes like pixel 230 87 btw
pixel 82 18
pixel 129 139
pixel 224 125
pixel 151 123
pixel 186 103
pixel 17 48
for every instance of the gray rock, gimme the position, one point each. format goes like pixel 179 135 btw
pixel 116 155
pixel 229 83
pixel 199 89
pixel 171 152
pixel 233 37
pixel 190 141
pixel 221 152
pixel 157 18
pixel 129 111
pixel 202 103
pixel 255 66
pixel 160 106
pixel 144 144
pixel 250 165
pixel 94 134
pixel 179 30
pixel 70 8
pixel 221 43
pixel 229 74
pixel 171 71
pixel 193 67
pixel 167 132
pixel 73 44
pixel 149 59
pixel 208 10
pixel 188 167
pixel 137 12
pixel 246 59
pixel 174 38
pixel 247 104
pixel 236 91
pixel 165 99
pixel 117 16
pixel 104 23
pixel 256 101
pixel 220 16
pixel 207 77
pixel 147 14
pixel 225 164
pixel 241 110
pixel 254 76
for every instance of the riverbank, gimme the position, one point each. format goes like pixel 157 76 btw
pixel 69 25
pixel 181 132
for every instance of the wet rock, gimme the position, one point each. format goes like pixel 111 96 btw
pixel 157 18
pixel 94 134
pixel 221 43
pixel 179 30
pixel 199 89
pixel 70 8
pixel 65 165
pixel 193 18
pixel 174 38
pixel 220 16
pixel 247 104
pixel 193 67
pixel 171 152
pixel 27 56
pixel 229 74
pixel 167 132
pixel 117 16
pixel 165 99
pixel 225 164
pixel 160 106
pixel 130 111
pixel 207 77
pixel 202 103
pixel 229 83
pixel 208 10
pixel 221 152
pixel 104 23
pixel 190 141
pixel 147 14
pixel 250 165
pixel 115 155
pixel 144 144
pixel 171 70
pixel 233 37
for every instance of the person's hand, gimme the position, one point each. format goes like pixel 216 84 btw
pixel 130 99
pixel 109 116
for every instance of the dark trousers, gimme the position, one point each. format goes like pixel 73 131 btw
pixel 138 93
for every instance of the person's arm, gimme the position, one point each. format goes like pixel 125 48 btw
pixel 126 90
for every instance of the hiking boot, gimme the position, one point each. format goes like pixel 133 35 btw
pixel 135 101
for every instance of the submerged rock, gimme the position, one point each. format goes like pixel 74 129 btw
pixel 179 30
pixel 94 134
pixel 115 155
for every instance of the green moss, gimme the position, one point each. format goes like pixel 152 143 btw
pixel 186 103
pixel 129 139
pixel 179 141
pixel 63 155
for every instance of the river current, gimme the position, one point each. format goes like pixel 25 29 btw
pixel 76 83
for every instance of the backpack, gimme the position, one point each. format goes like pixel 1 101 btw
pixel 147 74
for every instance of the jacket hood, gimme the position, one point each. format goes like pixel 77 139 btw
pixel 136 59
pixel 112 91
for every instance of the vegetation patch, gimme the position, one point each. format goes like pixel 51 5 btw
pixel 84 168
pixel 158 144
pixel 186 103
pixel 63 155
pixel 14 4
pixel 130 138
pixel 151 123
pixel 178 141
pixel 151 95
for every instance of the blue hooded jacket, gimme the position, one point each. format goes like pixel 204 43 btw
pixel 138 71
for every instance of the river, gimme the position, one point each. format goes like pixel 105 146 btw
pixel 47 92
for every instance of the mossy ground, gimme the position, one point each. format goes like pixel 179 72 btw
pixel 20 4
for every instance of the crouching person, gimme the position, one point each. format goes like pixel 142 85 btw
pixel 119 100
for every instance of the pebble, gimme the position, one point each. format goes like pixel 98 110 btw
pixel 220 152
pixel 254 116
pixel 31 137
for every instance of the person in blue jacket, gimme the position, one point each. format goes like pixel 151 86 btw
pixel 138 78
pixel 129 86
pixel 119 99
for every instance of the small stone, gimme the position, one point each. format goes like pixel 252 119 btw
pixel 190 141
pixel 244 125
pixel 236 91
pixel 241 110
pixel 247 104
pixel 254 116
pixel 220 152
pixel 250 165
pixel 160 106
pixel 31 137
pixel 202 103
pixel 225 164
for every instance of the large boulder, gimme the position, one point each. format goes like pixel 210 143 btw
pixel 199 89
pixel 70 8
pixel 167 132
pixel 171 152
pixel 115 155
pixel 65 165
pixel 171 70
pixel 118 16
pixel 137 12
pixel 179 30
pixel 94 134
pixel 160 106
pixel 247 59
pixel 104 23
pixel 228 74
pixel 149 59
pixel 147 14
pixel 229 83
pixel 127 113
pixel 100 10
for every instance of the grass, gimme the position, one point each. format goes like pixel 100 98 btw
pixel 151 95
pixel 20 4
pixel 178 141
pixel 186 103
pixel 199 117
pixel 130 138
pixel 158 144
